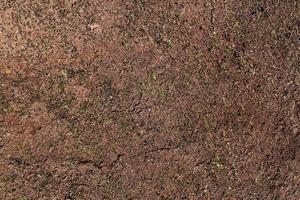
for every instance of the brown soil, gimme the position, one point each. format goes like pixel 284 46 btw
pixel 149 99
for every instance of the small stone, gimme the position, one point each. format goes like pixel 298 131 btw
pixel 64 73
pixel 8 71
pixel 94 26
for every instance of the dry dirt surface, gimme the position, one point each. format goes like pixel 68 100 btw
pixel 149 99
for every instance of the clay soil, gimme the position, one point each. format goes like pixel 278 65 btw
pixel 149 99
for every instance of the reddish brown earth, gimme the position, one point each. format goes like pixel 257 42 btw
pixel 149 99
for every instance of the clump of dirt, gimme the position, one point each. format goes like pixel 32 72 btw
pixel 149 99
